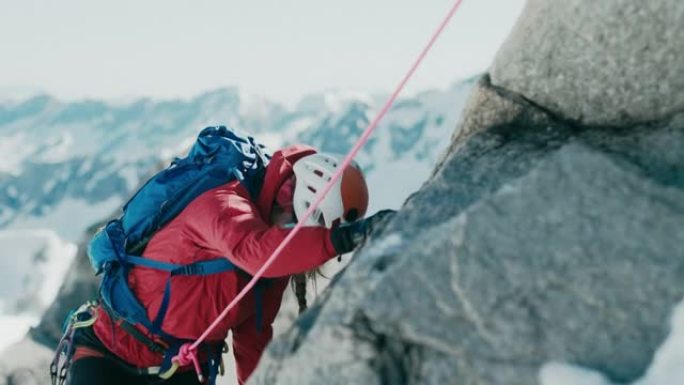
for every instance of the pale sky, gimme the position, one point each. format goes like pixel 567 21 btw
pixel 281 49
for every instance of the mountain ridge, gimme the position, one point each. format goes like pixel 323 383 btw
pixel 90 150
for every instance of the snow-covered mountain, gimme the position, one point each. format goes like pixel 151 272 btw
pixel 68 165
pixel 86 157
pixel 32 263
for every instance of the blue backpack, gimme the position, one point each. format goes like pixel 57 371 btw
pixel 219 156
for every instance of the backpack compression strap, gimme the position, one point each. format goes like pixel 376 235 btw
pixel 214 266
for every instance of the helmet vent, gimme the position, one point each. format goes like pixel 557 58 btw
pixel 321 220
pixel 347 200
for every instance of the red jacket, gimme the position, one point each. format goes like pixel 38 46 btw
pixel 221 222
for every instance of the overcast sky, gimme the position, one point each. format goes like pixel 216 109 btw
pixel 281 49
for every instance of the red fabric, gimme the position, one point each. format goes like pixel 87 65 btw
pixel 286 194
pixel 84 352
pixel 221 222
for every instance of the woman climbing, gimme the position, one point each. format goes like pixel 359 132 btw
pixel 237 224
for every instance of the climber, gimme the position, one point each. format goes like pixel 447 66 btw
pixel 225 221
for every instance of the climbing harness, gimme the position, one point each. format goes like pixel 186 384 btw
pixel 86 315
pixel 187 354
pixel 83 317
pixel 169 347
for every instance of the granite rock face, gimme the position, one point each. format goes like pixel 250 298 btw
pixel 535 240
pixel 610 62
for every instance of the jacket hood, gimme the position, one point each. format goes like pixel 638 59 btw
pixel 279 169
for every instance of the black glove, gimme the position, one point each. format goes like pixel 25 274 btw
pixel 348 236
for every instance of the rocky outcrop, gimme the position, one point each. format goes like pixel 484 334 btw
pixel 550 231
pixel 539 241
pixel 612 62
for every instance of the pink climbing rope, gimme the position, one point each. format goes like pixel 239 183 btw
pixel 187 354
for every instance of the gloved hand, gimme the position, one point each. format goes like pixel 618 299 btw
pixel 349 236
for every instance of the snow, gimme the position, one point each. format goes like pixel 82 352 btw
pixel 668 363
pixel 14 328
pixel 556 373
pixel 25 353
pixel 130 174
pixel 333 101
pixel 667 367
pixel 182 147
pixel 20 147
pixel 389 184
pixel 49 185
pixel 298 126
pixel 271 140
pixel 70 217
pixel 32 266
pixel 12 192
pixel 254 106
pixel 59 150
pixel 86 167
pixel 32 261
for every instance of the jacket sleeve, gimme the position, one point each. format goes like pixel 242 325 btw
pixel 230 223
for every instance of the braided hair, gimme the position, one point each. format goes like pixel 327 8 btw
pixel 299 286
pixel 299 282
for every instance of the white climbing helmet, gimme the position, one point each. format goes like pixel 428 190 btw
pixel 347 200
